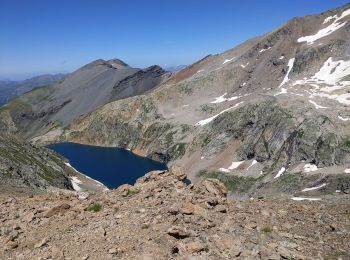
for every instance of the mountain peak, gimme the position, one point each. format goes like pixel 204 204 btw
pixel 117 63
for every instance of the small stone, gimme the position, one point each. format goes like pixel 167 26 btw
pixel 178 232
pixel 56 252
pixel 113 251
pixel 215 187
pixel 29 217
pixel 43 242
pixel 13 235
pixel 61 209
pixel 11 245
pixel 221 208
pixel 284 253
pixel 195 247
pixel 102 231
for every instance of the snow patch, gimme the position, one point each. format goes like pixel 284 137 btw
pixel 222 98
pixel 283 91
pixel 290 66
pixel 233 166
pixel 316 105
pixel 280 172
pixel 208 120
pixel 331 73
pixel 335 25
pixel 341 98
pixel 219 99
pixel 262 50
pixel 314 188
pixel 98 183
pixel 228 60
pixel 302 198
pixel 344 118
pixel 347 171
pixel 253 162
pixel 75 183
pixel 243 66
pixel 245 83
pixel 310 167
pixel 281 58
pixel 329 18
pixel 224 170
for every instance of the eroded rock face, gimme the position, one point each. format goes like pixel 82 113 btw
pixel 25 167
pixel 161 217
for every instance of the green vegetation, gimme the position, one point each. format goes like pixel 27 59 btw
pixel 300 133
pixel 132 192
pixel 186 89
pixel 145 226
pixel 232 182
pixel 207 109
pixel 178 150
pixel 266 229
pixel 347 142
pixel 96 207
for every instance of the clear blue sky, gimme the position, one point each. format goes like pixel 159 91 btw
pixel 51 36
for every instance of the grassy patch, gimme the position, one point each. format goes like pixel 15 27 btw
pixel 300 133
pixel 145 226
pixel 232 182
pixel 132 192
pixel 96 207
pixel 178 150
pixel 266 229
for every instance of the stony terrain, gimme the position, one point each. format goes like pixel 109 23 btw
pixel 262 132
pixel 30 169
pixel 274 106
pixel 163 218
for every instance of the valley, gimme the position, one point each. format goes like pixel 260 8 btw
pixel 243 154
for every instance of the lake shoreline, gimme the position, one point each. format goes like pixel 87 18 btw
pixel 100 168
pixel 84 184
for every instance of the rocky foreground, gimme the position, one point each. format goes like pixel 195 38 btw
pixel 161 217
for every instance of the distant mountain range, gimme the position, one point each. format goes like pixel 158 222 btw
pixel 10 89
pixel 265 113
pixel 175 68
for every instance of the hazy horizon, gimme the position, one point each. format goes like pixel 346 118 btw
pixel 48 37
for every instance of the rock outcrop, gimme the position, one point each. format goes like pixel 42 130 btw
pixel 162 217
pixel 27 168
pixel 272 110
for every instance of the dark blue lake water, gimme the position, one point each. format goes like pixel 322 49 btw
pixel 111 166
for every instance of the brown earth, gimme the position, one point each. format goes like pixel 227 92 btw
pixel 161 217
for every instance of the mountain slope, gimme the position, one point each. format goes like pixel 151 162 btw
pixel 13 89
pixel 251 111
pixel 84 90
pixel 274 108
pixel 27 168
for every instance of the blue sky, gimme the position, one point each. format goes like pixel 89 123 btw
pixel 48 36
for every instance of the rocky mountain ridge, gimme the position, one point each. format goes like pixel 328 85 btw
pixel 271 112
pixel 274 106
pixel 25 168
pixel 91 86
pixel 11 89
pixel 161 217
